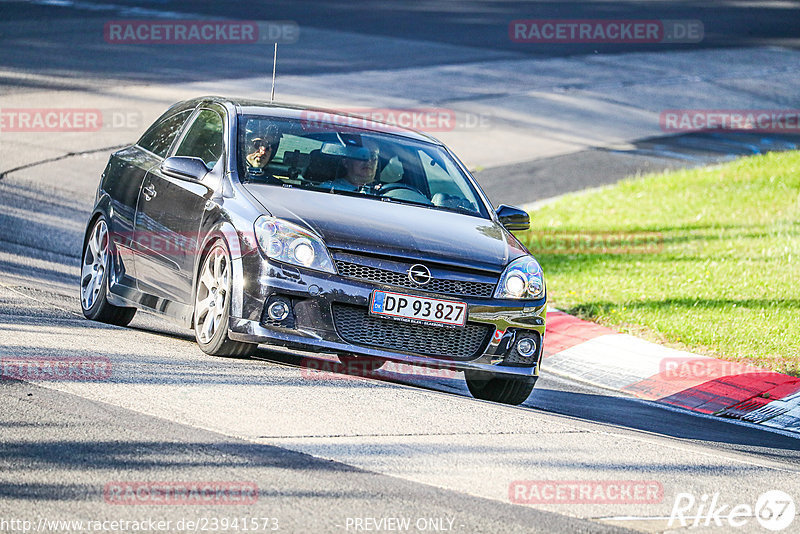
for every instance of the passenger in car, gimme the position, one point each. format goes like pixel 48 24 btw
pixel 261 155
pixel 264 148
pixel 358 173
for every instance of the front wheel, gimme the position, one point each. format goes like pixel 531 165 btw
pixel 487 386
pixel 95 265
pixel 212 305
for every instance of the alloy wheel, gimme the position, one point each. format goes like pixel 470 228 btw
pixel 212 293
pixel 95 260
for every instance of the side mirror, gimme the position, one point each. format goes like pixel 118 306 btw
pixel 184 168
pixel 513 218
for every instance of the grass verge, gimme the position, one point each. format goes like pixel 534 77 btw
pixel 707 260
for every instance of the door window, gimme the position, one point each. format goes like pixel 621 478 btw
pixel 159 137
pixel 204 139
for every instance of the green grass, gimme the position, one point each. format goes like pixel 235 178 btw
pixel 715 270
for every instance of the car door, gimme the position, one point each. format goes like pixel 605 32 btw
pixel 123 179
pixel 170 212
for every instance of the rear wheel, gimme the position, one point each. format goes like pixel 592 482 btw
pixel 95 265
pixel 212 305
pixel 487 386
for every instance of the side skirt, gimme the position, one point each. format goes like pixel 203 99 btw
pixel 130 297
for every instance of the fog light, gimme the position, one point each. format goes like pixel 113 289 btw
pixel 526 347
pixel 278 310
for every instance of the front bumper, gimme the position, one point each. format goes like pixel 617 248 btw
pixel 315 298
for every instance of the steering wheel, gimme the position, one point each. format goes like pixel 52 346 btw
pixel 383 191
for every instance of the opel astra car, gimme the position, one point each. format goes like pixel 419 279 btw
pixel 257 223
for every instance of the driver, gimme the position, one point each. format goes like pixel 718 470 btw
pixel 357 172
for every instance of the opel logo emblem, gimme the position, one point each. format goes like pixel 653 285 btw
pixel 419 274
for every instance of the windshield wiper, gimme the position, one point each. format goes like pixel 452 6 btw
pixel 404 201
pixel 457 209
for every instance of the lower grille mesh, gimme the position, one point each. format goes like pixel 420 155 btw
pixel 355 325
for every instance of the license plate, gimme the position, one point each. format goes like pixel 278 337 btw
pixel 419 310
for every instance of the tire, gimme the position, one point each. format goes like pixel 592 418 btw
pixel 487 386
pixel 356 364
pixel 212 305
pixel 95 265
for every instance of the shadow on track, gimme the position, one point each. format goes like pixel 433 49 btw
pixel 623 412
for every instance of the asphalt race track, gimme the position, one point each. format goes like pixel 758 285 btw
pixel 331 452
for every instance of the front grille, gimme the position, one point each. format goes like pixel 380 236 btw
pixel 436 285
pixel 355 325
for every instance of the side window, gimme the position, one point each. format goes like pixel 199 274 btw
pixel 159 138
pixel 204 139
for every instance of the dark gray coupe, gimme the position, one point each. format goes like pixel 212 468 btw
pixel 258 223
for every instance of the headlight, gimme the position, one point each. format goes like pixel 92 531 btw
pixel 522 279
pixel 288 243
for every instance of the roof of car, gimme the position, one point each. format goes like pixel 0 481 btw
pixel 290 111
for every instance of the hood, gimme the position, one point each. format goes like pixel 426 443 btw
pixel 393 229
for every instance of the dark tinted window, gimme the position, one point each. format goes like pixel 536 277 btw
pixel 159 137
pixel 341 159
pixel 204 139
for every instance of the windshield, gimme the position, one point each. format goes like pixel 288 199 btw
pixel 347 161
